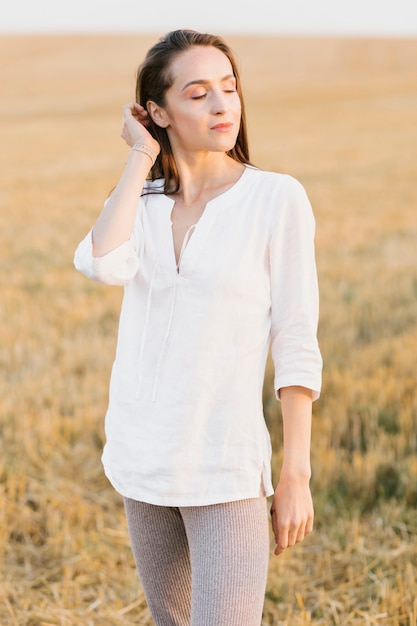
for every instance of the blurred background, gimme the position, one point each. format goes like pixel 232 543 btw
pixel 323 17
pixel 331 98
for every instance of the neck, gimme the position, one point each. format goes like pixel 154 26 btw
pixel 205 175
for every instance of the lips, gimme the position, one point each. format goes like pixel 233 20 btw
pixel 224 127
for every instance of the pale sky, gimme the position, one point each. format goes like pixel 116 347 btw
pixel 317 17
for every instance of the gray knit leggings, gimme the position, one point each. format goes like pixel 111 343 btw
pixel 204 565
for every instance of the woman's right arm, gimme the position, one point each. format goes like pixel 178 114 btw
pixel 115 224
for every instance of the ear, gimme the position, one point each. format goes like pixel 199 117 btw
pixel 158 114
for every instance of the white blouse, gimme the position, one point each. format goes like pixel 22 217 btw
pixel 185 424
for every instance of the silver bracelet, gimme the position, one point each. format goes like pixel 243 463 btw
pixel 141 147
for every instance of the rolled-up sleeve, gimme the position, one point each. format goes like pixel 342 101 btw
pixel 117 267
pixel 294 294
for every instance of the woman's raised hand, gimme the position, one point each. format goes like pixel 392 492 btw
pixel 135 126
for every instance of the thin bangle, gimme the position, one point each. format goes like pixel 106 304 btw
pixel 141 147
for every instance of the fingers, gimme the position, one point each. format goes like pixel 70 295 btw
pixel 135 123
pixel 309 526
pixel 287 534
pixel 133 107
pixel 139 112
pixel 129 109
pixel 135 111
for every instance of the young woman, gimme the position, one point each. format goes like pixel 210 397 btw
pixel 217 261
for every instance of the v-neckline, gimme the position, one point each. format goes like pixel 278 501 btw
pixel 196 228
pixel 189 237
pixel 185 242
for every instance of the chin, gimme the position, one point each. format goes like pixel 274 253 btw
pixel 225 146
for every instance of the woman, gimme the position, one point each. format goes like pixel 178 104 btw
pixel 217 261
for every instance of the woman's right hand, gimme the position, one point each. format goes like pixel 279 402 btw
pixel 135 126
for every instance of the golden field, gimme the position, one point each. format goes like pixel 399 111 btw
pixel 340 115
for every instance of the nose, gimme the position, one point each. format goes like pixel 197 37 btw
pixel 219 105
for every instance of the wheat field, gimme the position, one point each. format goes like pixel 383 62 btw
pixel 340 115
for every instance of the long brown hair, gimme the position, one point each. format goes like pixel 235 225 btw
pixel 154 79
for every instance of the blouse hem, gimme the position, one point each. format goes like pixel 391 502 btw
pixel 173 501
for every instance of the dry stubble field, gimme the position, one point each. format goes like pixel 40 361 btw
pixel 341 115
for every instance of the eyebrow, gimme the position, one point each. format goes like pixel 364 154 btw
pixel 202 81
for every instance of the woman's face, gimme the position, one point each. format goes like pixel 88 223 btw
pixel 202 111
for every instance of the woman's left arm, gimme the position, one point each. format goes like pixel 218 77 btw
pixel 292 507
pixel 296 356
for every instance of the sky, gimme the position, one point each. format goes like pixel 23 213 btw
pixel 386 18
